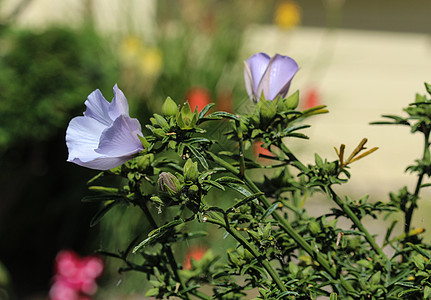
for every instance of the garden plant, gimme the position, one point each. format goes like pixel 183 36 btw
pixel 189 167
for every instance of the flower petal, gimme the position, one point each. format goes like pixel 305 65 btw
pixel 97 108
pixel 121 139
pixel 119 105
pixel 277 77
pixel 254 71
pixel 102 162
pixel 82 138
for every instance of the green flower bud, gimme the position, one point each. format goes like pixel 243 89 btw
pixel 169 107
pixel 144 161
pixel 292 101
pixel 267 110
pixel 191 171
pixel 169 184
pixel 193 189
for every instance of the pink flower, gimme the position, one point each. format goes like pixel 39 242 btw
pixel 75 277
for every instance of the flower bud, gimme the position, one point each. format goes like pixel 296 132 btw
pixel 169 184
pixel 169 107
pixel 191 171
pixel 144 161
pixel 292 101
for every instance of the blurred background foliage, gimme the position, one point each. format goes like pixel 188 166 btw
pixel 195 52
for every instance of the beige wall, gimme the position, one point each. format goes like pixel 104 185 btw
pixel 109 15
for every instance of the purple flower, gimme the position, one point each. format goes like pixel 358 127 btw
pixel 270 76
pixel 105 137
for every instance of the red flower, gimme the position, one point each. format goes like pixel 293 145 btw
pixel 199 97
pixel 312 98
pixel 195 252
pixel 258 149
pixel 225 101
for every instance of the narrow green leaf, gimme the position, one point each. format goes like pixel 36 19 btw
pixel 239 188
pixel 248 199
pixel 199 156
pixel 214 184
pixel 287 293
pixel 102 198
pixel 408 291
pixel 157 233
pixel 226 179
pixel 205 110
pixel 165 227
pixel 223 114
pixel 270 210
pixel 161 121
pixel 420 250
pixel 99 215
pixel 197 140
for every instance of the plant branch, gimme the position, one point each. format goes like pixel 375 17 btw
pixel 331 193
pixel 168 249
pixel 284 224
pixel 425 157
pixel 216 219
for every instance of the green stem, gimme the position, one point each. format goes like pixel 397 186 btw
pixel 295 162
pixel 200 295
pixel 241 150
pixel 167 248
pixel 285 225
pixel 342 204
pixel 216 219
pixel 409 213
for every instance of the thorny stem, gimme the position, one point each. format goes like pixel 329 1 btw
pixel 284 224
pixel 409 213
pixel 216 219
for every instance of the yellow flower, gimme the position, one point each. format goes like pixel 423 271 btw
pixel 287 14
pixel 150 61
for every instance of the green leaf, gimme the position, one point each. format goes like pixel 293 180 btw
pixel 239 189
pixel 270 210
pixel 223 114
pixel 157 233
pixel 287 293
pixel 318 160
pixel 199 156
pixel 214 184
pixel 161 121
pixel 427 292
pixel 226 179
pixel 102 198
pixel 408 291
pixel 420 250
pixel 165 227
pixel 152 292
pixel 333 296
pixel 428 87
pixel 295 128
pixel 248 199
pixel 197 140
pixel 99 215
pixel 205 110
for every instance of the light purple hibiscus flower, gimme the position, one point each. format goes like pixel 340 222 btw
pixel 270 76
pixel 105 137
